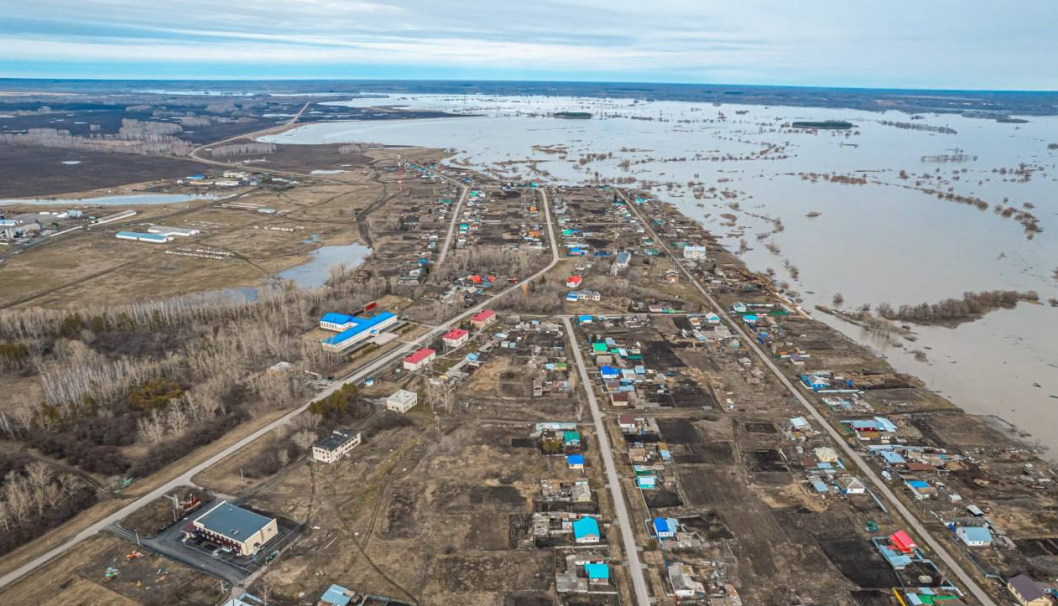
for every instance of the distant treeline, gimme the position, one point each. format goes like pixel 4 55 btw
pixel 944 130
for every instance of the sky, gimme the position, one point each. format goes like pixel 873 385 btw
pixel 939 44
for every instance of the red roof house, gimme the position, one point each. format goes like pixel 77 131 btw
pixel 902 542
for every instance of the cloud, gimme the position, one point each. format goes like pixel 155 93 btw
pixel 897 43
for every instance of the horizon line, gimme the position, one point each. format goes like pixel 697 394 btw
pixel 8 79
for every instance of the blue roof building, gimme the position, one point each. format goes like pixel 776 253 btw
pixel 586 530
pixel 974 536
pixel 609 372
pixel 665 528
pixel 356 329
pixel 597 572
pixel 336 595
pixel 575 461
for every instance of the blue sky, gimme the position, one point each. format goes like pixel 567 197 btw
pixel 949 44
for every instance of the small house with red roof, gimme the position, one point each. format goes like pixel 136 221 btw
pixel 456 337
pixel 419 359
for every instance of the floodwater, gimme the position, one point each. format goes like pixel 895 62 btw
pixel 887 240
pixel 129 200
pixel 315 272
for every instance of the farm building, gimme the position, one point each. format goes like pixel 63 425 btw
pixel 336 445
pixel 483 318
pixel 162 230
pixel 419 359
pixel 141 237
pixel 240 529
pixel 352 330
pixel 456 337
pixel 402 401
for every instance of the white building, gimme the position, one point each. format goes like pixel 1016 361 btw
pixel 402 401
pixel 419 359
pixel 335 446
pixel 694 252
pixel 456 337
pixel 236 174
pixel 162 230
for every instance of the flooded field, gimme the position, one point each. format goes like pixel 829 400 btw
pixel 314 273
pixel 897 209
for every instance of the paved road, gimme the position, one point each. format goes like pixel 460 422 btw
pixel 851 453
pixel 455 217
pixel 363 372
pixel 639 582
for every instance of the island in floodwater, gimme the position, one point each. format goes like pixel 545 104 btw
pixel 825 124
pixel 573 115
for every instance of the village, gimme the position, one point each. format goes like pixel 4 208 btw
pixel 542 395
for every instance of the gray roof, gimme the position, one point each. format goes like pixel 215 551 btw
pixel 233 522
pixel 336 439
pixel 1026 587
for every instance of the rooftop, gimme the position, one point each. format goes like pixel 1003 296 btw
pixel 232 522
pixel 337 438
pixel 420 355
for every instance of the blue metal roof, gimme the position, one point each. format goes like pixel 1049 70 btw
pixel 142 236
pixel 586 527
pixel 976 534
pixel 361 324
pixel 335 318
pixel 597 571
pixel 575 459
pixel 335 594
pixel 893 458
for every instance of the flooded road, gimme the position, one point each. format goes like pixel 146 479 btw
pixel 864 212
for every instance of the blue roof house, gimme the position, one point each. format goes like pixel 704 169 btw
pixel 665 528
pixel 609 372
pixel 597 572
pixel 586 530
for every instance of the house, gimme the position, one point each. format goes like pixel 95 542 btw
pixel 353 329
pixel 647 482
pixel 456 337
pixel 571 439
pixel 826 454
pixel 902 542
pixel 851 485
pixel 921 489
pixel 483 318
pixel 628 423
pixel 238 529
pixel 336 445
pixel 402 401
pixel 623 260
pixel 598 573
pixel 575 461
pixel 573 281
pixel 586 530
pixel 609 372
pixel 589 295
pixel 665 528
pixel 1028 591
pixel 672 276
pixel 974 536
pixel 696 253
pixel 419 359
pixel 683 583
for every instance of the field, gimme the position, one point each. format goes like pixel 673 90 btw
pixel 79 577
